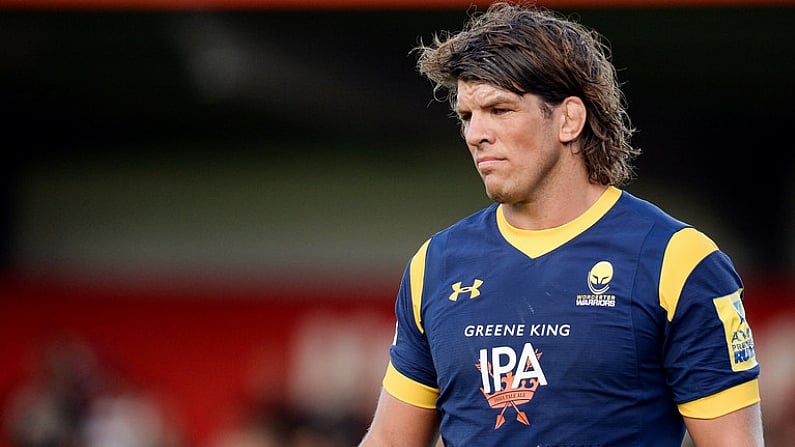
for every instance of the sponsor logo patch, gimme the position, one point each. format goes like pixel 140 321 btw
pixel 739 340
pixel 510 381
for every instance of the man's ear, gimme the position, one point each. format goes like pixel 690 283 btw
pixel 573 119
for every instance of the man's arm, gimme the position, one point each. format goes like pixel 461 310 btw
pixel 741 428
pixel 397 423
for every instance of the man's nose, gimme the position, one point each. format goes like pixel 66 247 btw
pixel 476 131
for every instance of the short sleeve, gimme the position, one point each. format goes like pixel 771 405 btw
pixel 411 376
pixel 708 350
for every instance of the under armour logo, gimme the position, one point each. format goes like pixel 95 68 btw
pixel 471 290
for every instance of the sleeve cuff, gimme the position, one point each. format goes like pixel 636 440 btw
pixel 722 403
pixel 409 391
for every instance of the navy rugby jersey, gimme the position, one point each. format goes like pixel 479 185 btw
pixel 601 332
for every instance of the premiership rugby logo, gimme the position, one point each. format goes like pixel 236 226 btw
pixel 739 340
pixel 599 278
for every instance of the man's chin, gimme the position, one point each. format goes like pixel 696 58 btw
pixel 497 196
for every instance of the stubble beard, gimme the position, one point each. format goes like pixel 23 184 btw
pixel 496 193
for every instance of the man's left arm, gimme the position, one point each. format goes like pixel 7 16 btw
pixel 741 428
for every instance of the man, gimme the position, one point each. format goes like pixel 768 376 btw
pixel 568 313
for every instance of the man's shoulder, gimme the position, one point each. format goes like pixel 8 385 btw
pixel 471 231
pixel 477 221
pixel 642 210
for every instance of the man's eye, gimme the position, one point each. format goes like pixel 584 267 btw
pixel 499 111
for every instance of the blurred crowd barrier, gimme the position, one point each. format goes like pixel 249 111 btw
pixel 98 366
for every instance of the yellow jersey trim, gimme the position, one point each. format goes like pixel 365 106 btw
pixel 409 391
pixel 535 243
pixel 417 280
pixel 685 250
pixel 722 403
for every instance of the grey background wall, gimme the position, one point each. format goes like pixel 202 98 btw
pixel 255 144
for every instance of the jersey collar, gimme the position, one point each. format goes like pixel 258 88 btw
pixel 535 243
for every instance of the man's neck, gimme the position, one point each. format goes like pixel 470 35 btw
pixel 553 210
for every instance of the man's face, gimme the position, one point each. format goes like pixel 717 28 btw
pixel 514 142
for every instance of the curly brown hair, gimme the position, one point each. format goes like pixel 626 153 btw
pixel 524 48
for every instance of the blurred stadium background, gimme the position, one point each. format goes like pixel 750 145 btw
pixel 207 205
